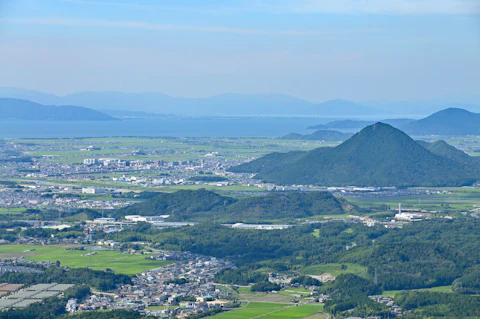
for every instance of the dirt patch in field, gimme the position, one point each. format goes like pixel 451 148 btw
pixel 318 316
pixel 272 298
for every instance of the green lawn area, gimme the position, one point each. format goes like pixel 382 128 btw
pixel 445 289
pixel 120 263
pixel 156 307
pixel 251 310
pixel 296 312
pixel 11 211
pixel 247 292
pixel 271 311
pixel 334 269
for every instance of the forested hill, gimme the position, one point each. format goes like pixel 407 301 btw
pixel 204 205
pixel 320 135
pixel 15 109
pixel 181 205
pixel 359 124
pixel 444 149
pixel 379 155
pixel 288 205
pixel 451 121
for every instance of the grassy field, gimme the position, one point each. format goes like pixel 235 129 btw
pixel 459 199
pixel 120 263
pixel 253 309
pixel 296 312
pixel 11 211
pixel 334 269
pixel 445 289
pixel 271 311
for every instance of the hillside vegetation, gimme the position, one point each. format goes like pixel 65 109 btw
pixel 379 155
pixel 204 205
pixel 320 135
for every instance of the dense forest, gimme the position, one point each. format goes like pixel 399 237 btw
pixel 438 305
pixel 204 205
pixel 420 255
pixel 79 276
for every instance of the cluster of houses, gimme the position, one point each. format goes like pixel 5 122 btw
pixel 390 303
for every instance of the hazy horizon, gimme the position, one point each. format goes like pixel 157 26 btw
pixel 313 50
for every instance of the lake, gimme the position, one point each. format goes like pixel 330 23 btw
pixel 165 127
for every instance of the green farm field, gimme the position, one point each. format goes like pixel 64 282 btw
pixel 459 199
pixel 120 263
pixel 444 289
pixel 271 311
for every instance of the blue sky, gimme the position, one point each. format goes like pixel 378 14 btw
pixel 313 49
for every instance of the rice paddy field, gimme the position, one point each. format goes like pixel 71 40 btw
pixel 120 263
pixel 271 311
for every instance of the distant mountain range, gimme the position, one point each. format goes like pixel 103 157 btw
pixel 379 155
pixel 16 109
pixel 320 135
pixel 448 122
pixel 234 104
pixel 224 104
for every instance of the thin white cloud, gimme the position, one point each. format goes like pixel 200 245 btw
pixel 394 7
pixel 172 27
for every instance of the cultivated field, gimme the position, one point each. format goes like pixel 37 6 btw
pixel 271 311
pixel 120 263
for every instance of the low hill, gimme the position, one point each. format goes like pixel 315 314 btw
pixel 204 205
pixel 359 124
pixel 15 109
pixel 271 162
pixel 379 155
pixel 181 205
pixel 446 150
pixel 451 121
pixel 287 205
pixel 320 135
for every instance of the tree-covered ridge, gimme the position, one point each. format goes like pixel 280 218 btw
pixel 469 283
pixel 438 305
pixel 349 295
pixel 180 205
pixel 26 110
pixel 319 135
pixel 446 150
pixel 269 163
pixel 100 280
pixel 288 205
pixel 206 205
pixel 420 255
pixel 379 155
